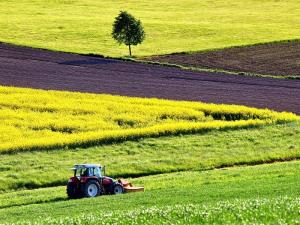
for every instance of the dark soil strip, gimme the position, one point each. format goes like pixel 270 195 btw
pixel 35 68
pixel 279 59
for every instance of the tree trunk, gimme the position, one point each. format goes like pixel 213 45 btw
pixel 129 46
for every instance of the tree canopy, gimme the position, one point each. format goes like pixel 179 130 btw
pixel 128 30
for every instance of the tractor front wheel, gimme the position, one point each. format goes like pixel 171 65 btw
pixel 118 189
pixel 92 189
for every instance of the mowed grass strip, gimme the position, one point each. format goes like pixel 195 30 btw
pixel 197 152
pixel 36 119
pixel 171 26
pixel 241 194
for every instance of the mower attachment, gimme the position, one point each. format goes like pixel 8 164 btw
pixel 128 187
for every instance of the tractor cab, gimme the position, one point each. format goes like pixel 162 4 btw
pixel 89 181
pixel 88 170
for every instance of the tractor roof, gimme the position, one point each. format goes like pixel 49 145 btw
pixel 78 166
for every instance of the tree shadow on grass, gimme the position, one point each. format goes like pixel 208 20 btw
pixel 89 61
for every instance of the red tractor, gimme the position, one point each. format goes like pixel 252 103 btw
pixel 88 181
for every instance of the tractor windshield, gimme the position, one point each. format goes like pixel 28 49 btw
pixel 97 172
pixel 81 172
pixel 85 172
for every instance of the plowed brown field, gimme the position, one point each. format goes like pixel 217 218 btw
pixel 271 59
pixel 26 67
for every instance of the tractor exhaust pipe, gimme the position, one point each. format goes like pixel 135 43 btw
pixel 104 170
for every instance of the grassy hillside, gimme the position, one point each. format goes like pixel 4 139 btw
pixel 154 155
pixel 36 119
pixel 171 26
pixel 74 121
pixel 247 195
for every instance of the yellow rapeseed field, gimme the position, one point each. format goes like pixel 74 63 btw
pixel 37 119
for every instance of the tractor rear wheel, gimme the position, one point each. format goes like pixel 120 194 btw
pixel 92 189
pixel 118 189
pixel 72 191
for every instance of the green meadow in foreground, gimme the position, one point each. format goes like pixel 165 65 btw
pixel 148 156
pixel 240 195
pixel 170 26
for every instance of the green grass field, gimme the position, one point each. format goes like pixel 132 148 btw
pixel 148 156
pixel 240 195
pixel 171 26
pixel 229 173
pixel 180 166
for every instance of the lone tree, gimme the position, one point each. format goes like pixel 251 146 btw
pixel 128 30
